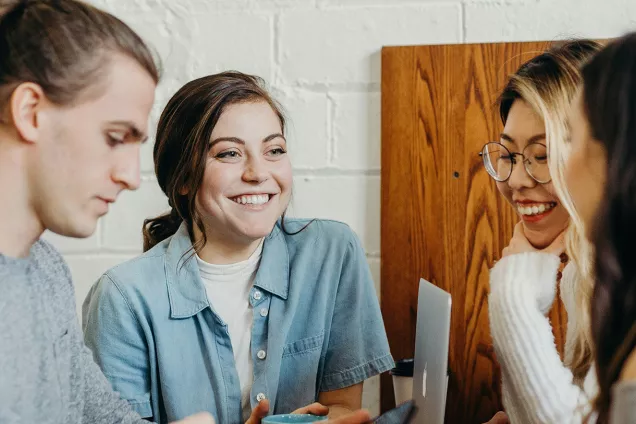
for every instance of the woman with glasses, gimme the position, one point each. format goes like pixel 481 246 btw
pixel 538 386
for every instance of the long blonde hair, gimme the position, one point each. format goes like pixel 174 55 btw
pixel 548 83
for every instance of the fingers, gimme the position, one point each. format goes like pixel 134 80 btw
pixel 360 416
pixel 518 231
pixel 499 418
pixel 557 246
pixel 259 412
pixel 518 243
pixel 314 409
pixel 200 418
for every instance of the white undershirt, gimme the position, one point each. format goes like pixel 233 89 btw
pixel 228 288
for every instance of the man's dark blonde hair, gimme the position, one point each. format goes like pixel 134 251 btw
pixel 64 46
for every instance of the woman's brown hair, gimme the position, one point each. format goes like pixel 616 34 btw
pixel 183 141
pixel 64 46
pixel 609 103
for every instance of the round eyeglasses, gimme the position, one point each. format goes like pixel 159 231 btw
pixel 499 161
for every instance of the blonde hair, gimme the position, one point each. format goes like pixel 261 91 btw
pixel 548 83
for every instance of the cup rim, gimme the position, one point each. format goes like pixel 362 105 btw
pixel 315 418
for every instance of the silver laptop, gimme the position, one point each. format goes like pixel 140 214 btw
pixel 430 381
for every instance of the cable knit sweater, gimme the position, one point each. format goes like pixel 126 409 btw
pixel 536 386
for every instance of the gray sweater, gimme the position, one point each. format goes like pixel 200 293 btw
pixel 623 408
pixel 47 375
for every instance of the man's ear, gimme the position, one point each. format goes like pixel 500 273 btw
pixel 25 104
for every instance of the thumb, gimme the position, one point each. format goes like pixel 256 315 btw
pixel 259 412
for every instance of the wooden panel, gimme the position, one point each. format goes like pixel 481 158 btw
pixel 442 217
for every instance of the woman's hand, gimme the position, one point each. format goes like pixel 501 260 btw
pixel 313 409
pixel 520 244
pixel 259 412
pixel 360 416
pixel 200 418
pixel 499 418
pixel 262 409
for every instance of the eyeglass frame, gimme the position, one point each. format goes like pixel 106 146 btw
pixel 524 159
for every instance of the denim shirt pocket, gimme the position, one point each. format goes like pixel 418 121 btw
pixel 299 373
pixel 303 346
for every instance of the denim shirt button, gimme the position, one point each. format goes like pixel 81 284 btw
pixel 260 397
pixel 264 312
pixel 257 295
pixel 261 354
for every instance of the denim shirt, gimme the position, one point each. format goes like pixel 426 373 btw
pixel 316 326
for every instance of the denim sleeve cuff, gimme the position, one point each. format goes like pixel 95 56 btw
pixel 143 408
pixel 359 373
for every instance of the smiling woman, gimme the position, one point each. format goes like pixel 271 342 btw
pixel 226 300
pixel 247 181
pixel 528 187
pixel 538 386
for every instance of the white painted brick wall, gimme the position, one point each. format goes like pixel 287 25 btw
pixel 322 58
pixel 342 45
pixel 354 199
pixel 307 120
pixel 356 117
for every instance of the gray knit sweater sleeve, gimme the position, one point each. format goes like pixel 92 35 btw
pixel 47 373
pixel 623 409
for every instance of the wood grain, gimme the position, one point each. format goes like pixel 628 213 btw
pixel 442 216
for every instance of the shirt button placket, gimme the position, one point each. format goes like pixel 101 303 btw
pixel 260 301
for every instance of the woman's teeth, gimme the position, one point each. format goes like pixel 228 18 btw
pixel 255 199
pixel 535 209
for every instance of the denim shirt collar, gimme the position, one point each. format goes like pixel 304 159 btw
pixel 186 290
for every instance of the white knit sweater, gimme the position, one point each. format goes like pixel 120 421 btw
pixel 536 386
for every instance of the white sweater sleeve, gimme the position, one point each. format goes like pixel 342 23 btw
pixel 537 387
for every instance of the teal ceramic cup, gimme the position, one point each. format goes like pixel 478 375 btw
pixel 292 419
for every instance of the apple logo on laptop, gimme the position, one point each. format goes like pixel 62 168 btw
pixel 424 380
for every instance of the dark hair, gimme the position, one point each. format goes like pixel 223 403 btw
pixel 183 141
pixel 609 102
pixel 63 46
pixel 556 65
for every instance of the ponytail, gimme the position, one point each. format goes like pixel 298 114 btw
pixel 155 230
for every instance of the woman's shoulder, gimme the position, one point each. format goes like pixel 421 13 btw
pixel 623 399
pixel 321 231
pixel 140 270
pixel 318 240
